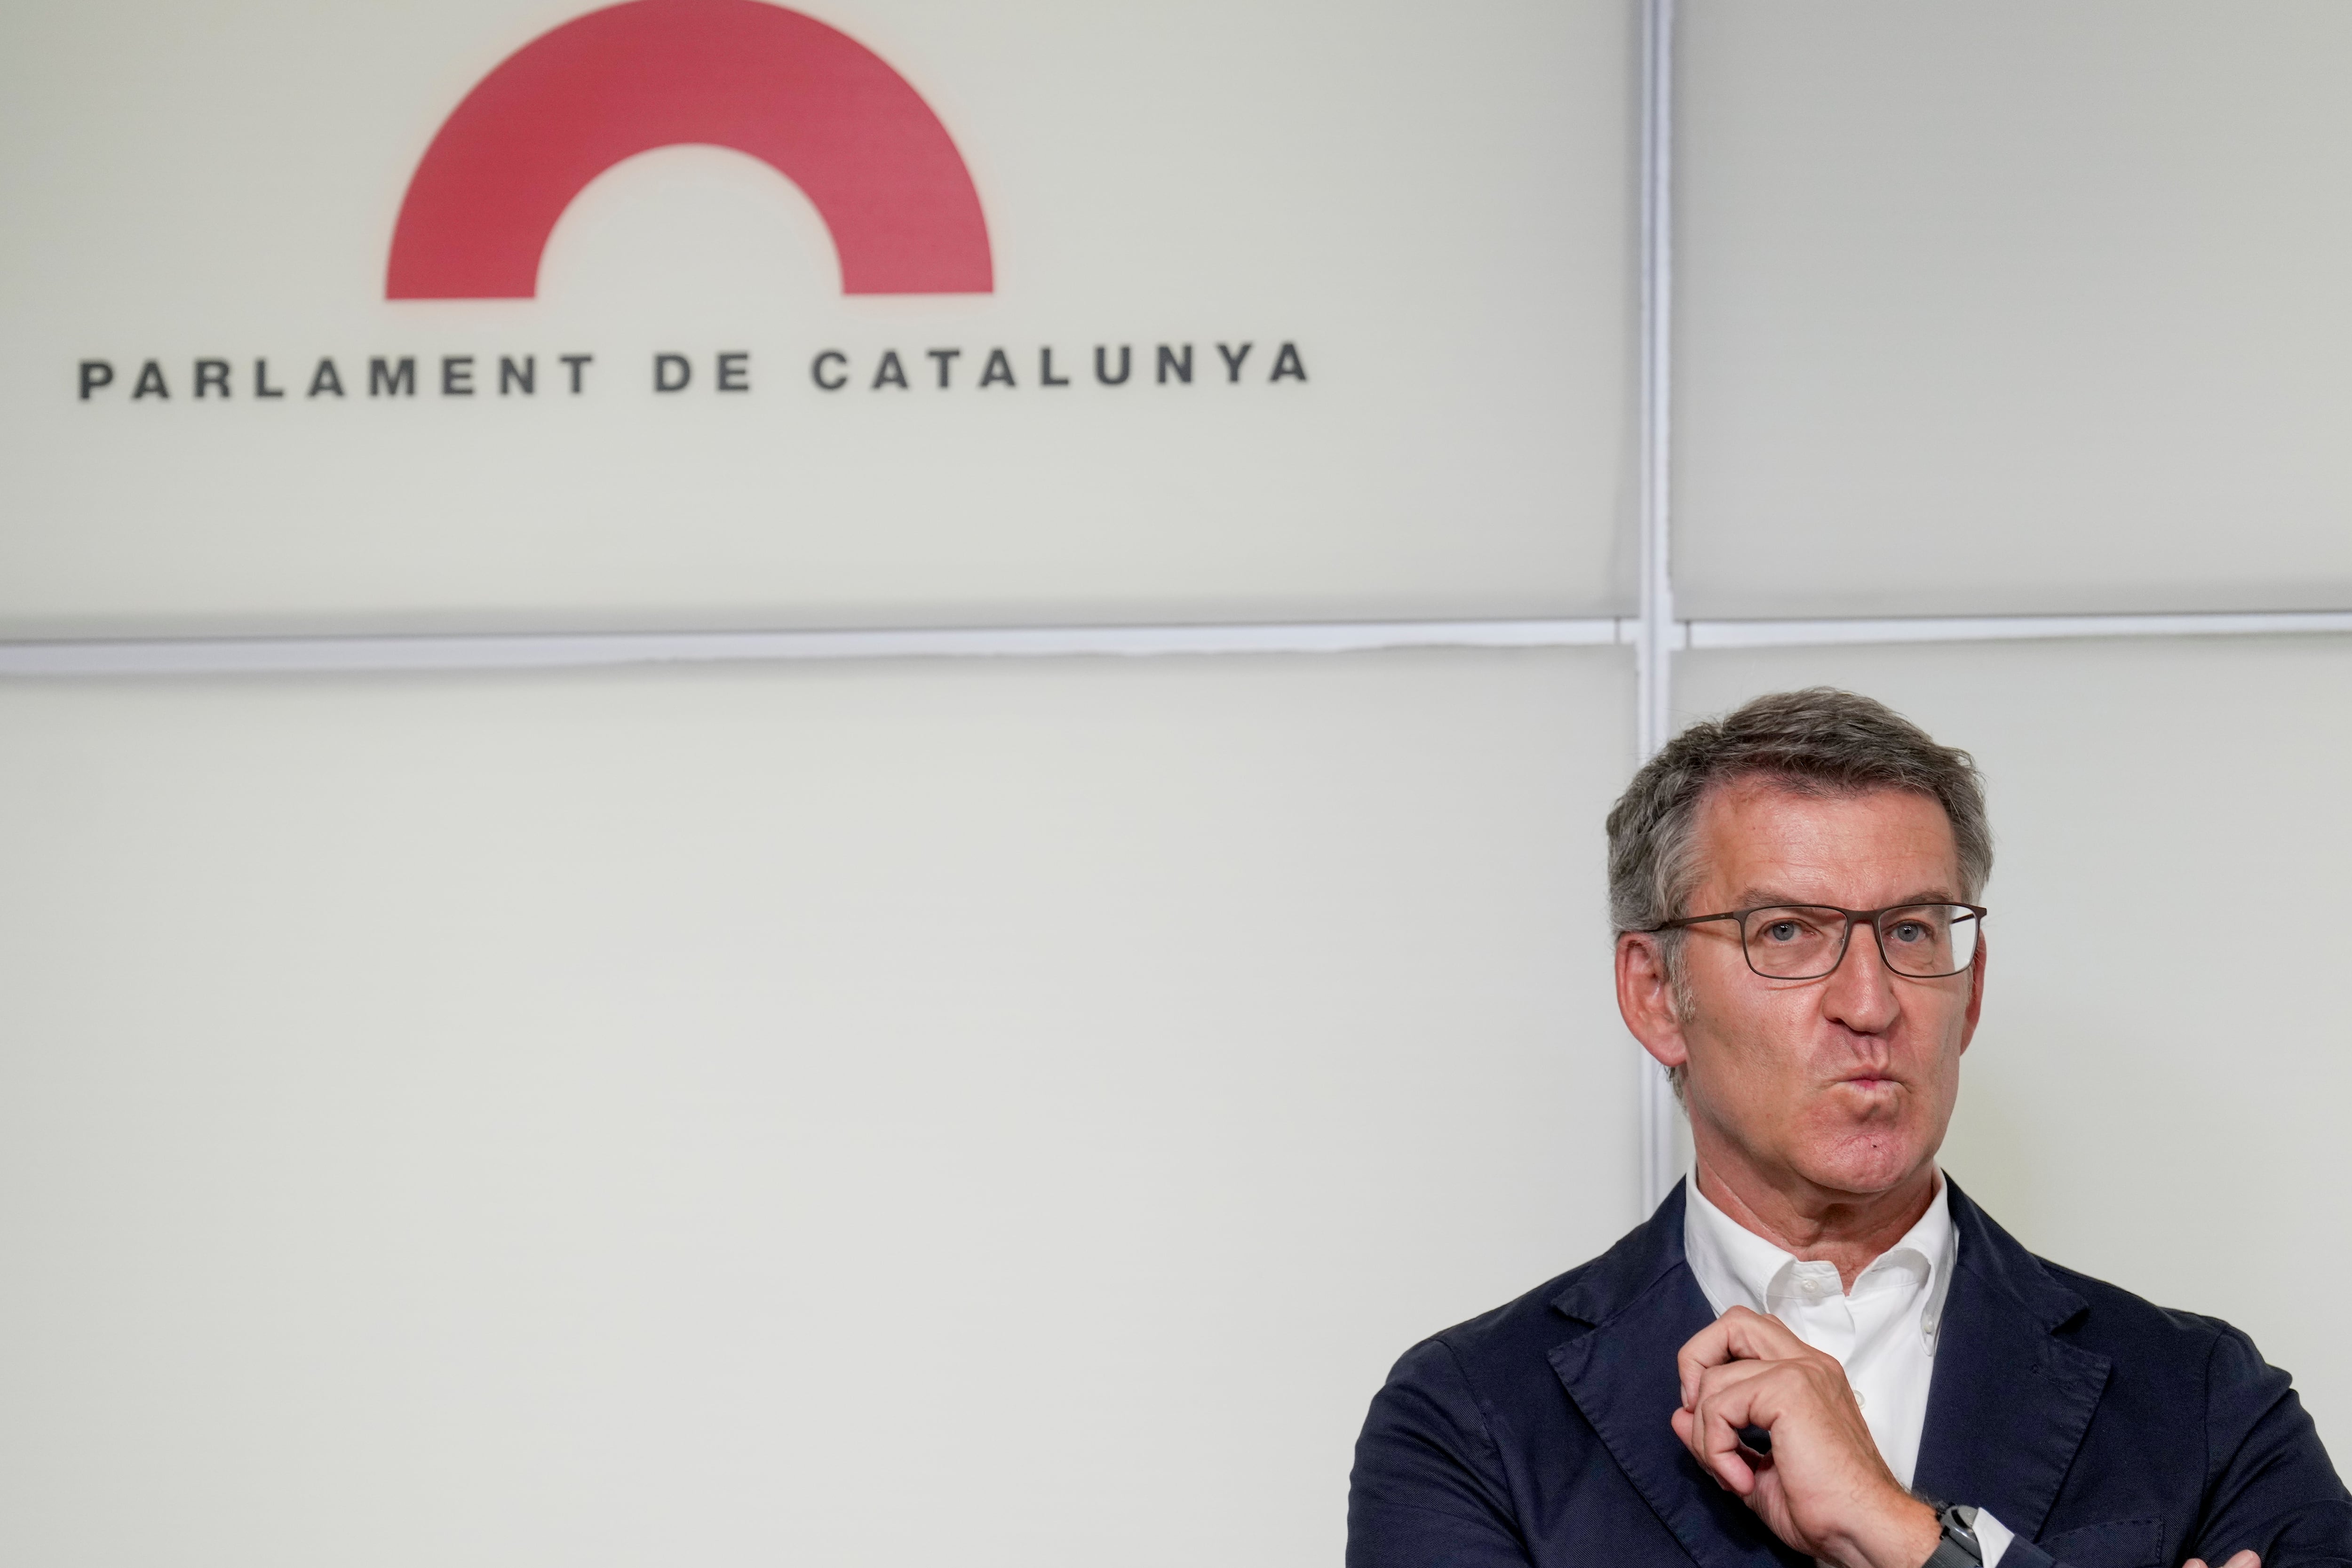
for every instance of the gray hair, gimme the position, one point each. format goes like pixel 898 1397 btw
pixel 1820 740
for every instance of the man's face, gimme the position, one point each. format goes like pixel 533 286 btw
pixel 1847 1082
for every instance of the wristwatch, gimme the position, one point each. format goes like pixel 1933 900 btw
pixel 1959 1547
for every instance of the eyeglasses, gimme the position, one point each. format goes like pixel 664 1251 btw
pixel 1807 942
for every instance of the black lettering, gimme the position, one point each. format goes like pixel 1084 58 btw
pixel 95 374
pixel 889 373
pixel 212 373
pixel 151 383
pixel 1045 376
pixel 576 364
pixel 1000 369
pixel 1234 360
pixel 387 380
pixel 326 378
pixel 664 364
pixel 1181 365
pixel 816 370
pixel 456 375
pixel 1102 368
pixel 945 357
pixel 1287 362
pixel 261 387
pixel 735 373
pixel 524 375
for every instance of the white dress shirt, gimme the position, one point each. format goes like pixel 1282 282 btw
pixel 1883 1332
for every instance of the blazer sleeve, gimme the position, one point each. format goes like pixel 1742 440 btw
pixel 2269 1484
pixel 1428 1489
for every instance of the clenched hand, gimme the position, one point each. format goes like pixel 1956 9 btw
pixel 1823 1490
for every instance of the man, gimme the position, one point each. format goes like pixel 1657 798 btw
pixel 1818 1348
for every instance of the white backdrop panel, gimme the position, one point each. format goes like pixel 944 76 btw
pixel 2013 307
pixel 988 1114
pixel 2156 1095
pixel 1432 203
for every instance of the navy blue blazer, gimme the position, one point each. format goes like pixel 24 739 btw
pixel 2106 1432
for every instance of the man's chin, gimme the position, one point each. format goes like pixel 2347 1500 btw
pixel 1866 1162
pixel 1870 1152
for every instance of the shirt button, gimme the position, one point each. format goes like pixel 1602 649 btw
pixel 1859 1401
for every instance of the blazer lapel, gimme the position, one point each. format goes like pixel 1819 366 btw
pixel 2010 1402
pixel 1642 1303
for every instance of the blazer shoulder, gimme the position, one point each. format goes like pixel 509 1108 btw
pixel 2174 1358
pixel 2079 1307
pixel 1500 1346
pixel 1502 1339
pixel 2112 1312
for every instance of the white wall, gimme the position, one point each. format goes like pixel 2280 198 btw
pixel 2013 307
pixel 868 1114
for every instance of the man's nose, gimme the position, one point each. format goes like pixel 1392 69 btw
pixel 1860 991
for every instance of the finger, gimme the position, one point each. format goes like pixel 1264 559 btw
pixel 1738 1335
pixel 1754 1336
pixel 1726 1465
pixel 1793 1381
pixel 1721 1452
pixel 1737 1398
pixel 2247 1559
pixel 1711 1346
pixel 1687 1433
pixel 1716 1381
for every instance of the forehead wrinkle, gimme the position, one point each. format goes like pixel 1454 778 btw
pixel 1770 898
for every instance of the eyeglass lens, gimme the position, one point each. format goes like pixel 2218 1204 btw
pixel 1798 941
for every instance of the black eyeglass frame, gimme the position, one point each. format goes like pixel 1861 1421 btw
pixel 1846 938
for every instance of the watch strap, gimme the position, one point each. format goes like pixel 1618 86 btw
pixel 1959 1546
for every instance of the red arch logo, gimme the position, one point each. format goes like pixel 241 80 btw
pixel 813 103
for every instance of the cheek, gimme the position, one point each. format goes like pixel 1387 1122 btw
pixel 1715 984
pixel 1945 1020
pixel 1760 1042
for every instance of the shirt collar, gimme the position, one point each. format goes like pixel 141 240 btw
pixel 1737 1268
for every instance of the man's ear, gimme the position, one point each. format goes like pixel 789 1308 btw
pixel 1645 997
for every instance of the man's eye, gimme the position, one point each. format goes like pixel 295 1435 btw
pixel 1910 930
pixel 1784 931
